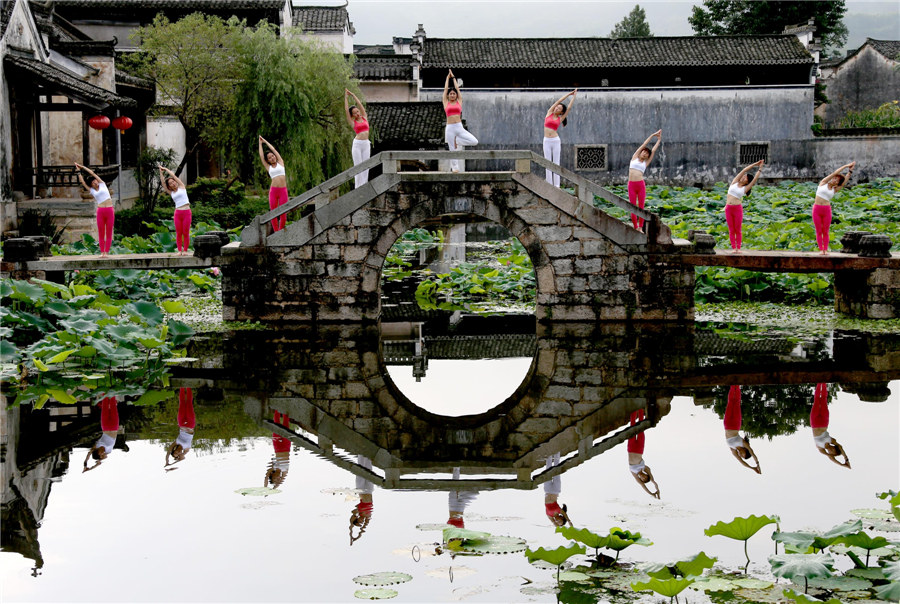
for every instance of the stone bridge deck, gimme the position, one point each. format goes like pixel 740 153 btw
pixel 767 261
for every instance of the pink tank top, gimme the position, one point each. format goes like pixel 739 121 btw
pixel 360 125
pixel 453 108
pixel 552 122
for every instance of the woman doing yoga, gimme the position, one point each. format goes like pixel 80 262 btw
pixel 821 210
pixel 455 135
pixel 734 209
pixel 637 189
pixel 556 117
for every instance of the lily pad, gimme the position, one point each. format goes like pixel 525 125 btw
pixel 433 526
pixel 891 591
pixel 375 593
pixel 573 575
pixel 693 566
pixel 874 574
pixel 807 599
pixel 541 589
pixel 872 514
pixel 384 578
pixel 841 583
pixel 714 584
pixel 771 594
pixel 751 583
pixel 257 491
pixel 495 544
pixel 840 548
pixel 458 534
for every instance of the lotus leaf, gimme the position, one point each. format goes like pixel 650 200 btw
pixel 689 567
pixel 539 590
pixel 375 593
pixel 585 536
pixel 174 306
pixel 805 599
pixel 153 397
pixel 841 583
pixel 147 311
pixel 892 570
pixel 8 352
pixel 79 289
pixel 110 309
pixel 495 544
pixel 86 352
pixel 459 534
pixel 808 566
pixel 751 583
pixel 62 396
pixel 123 331
pixel 864 541
pixel 62 356
pixel 28 292
pixel 619 539
pixel 799 542
pixel 53 288
pixel 179 332
pixel 257 491
pixel 383 578
pixel 60 309
pixel 151 342
pixel 574 575
pixel 890 592
pixel 6 289
pixel 669 587
pixel 739 528
pixel 714 584
pixel 554 556
pixel 894 499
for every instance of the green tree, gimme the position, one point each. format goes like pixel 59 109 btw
pixel 749 17
pixel 634 25
pixel 194 64
pixel 290 91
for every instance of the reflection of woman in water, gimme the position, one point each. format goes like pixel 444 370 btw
pixel 552 488
pixel 818 421
pixel 109 423
pixel 281 461
pixel 186 423
pixel 457 501
pixel 362 513
pixel 740 446
pixel 639 469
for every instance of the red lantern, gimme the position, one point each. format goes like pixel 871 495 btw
pixel 99 122
pixel 122 123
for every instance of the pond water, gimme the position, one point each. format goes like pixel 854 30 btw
pixel 364 440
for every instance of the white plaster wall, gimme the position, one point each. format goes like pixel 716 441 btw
pixel 167 133
pixel 388 91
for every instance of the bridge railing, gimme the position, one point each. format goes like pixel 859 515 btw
pixel 260 228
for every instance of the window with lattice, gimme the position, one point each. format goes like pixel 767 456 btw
pixel 590 157
pixel 749 153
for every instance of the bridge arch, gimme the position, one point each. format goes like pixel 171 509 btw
pixel 326 266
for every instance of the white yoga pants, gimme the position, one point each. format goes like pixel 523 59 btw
pixel 552 147
pixel 456 137
pixel 362 150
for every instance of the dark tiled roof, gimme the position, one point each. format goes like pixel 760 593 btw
pixel 176 4
pixel 83 49
pixel 130 80
pixel 375 67
pixel 576 53
pixel 500 346
pixel 373 49
pixel 5 16
pixel 413 123
pixel 889 48
pixel 321 18
pixel 67 84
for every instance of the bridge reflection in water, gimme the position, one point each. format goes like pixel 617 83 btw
pixel 588 388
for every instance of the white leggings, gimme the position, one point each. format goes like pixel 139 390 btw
pixel 361 151
pixel 456 136
pixel 552 147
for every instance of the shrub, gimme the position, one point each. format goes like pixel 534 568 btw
pixel 886 116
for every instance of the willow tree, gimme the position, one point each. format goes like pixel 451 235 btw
pixel 290 91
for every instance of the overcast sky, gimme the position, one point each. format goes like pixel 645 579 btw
pixel 377 21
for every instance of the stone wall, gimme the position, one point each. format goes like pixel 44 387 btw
pixel 868 294
pixel 327 265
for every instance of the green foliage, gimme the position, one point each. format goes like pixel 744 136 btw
pixel 805 599
pixel 689 567
pixel 146 173
pixel 375 593
pixel 804 542
pixel 554 556
pixel 775 218
pixel 740 528
pixel 748 17
pixel 668 587
pixel 40 222
pixel 290 91
pixel 808 566
pixel 885 116
pixel 195 64
pixel 633 25
pixel 382 578
pixel 894 499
